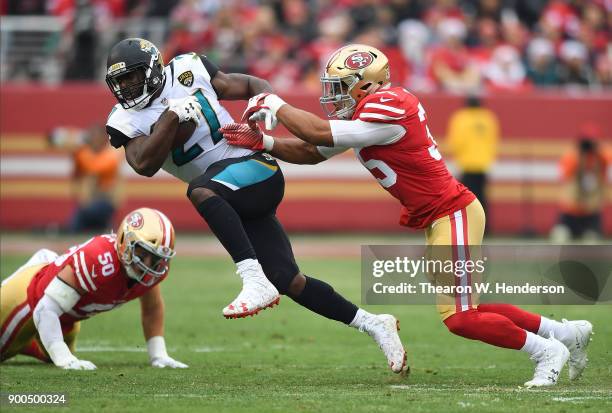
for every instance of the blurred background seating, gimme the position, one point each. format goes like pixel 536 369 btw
pixel 541 69
pixel 454 45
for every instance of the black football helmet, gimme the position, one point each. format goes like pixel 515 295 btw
pixel 134 72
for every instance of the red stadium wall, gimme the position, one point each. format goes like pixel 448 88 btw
pixel 536 129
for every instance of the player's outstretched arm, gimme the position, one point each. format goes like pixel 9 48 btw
pixel 294 150
pixel 304 125
pixel 330 137
pixel 238 86
pixel 60 296
pixel 152 314
pixel 290 150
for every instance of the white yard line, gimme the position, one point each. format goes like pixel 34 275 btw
pixel 580 398
pixel 474 391
pixel 142 349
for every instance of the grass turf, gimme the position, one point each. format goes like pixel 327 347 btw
pixel 288 359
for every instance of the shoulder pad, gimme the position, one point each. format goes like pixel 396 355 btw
pixel 384 106
pixel 121 120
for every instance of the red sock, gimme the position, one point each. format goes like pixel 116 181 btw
pixel 489 328
pixel 523 319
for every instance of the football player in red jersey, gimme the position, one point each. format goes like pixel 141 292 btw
pixel 387 128
pixel 44 301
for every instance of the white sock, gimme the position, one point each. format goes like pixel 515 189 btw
pixel 559 330
pixel 533 343
pixel 241 266
pixel 360 319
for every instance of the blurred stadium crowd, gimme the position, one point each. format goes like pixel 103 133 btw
pixel 458 46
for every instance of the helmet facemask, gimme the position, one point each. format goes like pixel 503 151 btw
pixel 137 265
pixel 336 99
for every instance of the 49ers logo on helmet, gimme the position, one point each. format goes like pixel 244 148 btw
pixel 136 220
pixel 358 60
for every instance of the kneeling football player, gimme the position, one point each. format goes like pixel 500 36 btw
pixel 44 301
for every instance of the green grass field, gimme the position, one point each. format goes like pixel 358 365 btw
pixel 288 359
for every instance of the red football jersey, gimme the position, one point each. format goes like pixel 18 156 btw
pixel 98 271
pixel 411 169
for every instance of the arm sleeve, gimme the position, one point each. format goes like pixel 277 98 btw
pixel 211 68
pixel 359 134
pixel 328 152
pixel 46 319
pixel 117 138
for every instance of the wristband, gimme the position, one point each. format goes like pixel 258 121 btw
pixel 268 142
pixel 156 347
pixel 274 103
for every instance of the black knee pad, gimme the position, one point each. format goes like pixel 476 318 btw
pixel 194 184
pixel 281 280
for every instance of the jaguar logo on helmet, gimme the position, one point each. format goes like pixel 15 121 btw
pixel 147 46
pixel 358 60
pixel 135 220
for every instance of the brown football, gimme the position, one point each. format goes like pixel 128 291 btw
pixel 183 133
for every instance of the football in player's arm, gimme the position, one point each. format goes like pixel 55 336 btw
pixel 147 152
pixel 44 301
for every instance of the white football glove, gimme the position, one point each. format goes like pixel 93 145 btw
pixel 263 107
pixel 77 364
pixel 187 109
pixel 156 347
pixel 267 116
pixel 256 101
pixel 167 361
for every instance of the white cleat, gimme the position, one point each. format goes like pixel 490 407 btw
pixel 577 346
pixel 383 329
pixel 549 363
pixel 257 294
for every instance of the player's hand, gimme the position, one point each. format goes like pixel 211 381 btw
pixel 263 107
pixel 187 109
pixel 267 116
pixel 167 361
pixel 243 135
pixel 77 364
pixel 254 102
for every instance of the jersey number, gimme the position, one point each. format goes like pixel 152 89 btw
pixel 180 156
pixel 433 149
pixel 106 261
pixel 390 176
